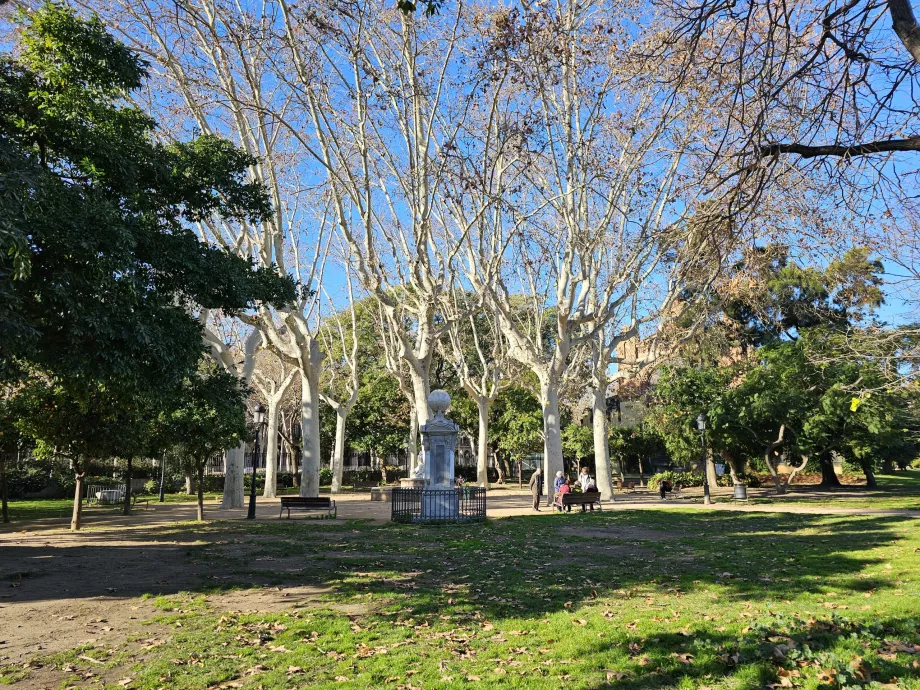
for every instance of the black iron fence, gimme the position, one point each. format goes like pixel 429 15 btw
pixel 465 504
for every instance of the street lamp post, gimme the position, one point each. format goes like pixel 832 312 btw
pixel 260 420
pixel 701 425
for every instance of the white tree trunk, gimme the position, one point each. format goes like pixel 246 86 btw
pixel 309 422
pixel 412 447
pixel 549 392
pixel 601 447
pixel 420 390
pixel 338 453
pixel 482 454
pixel 234 490
pixel 271 449
pixel 233 478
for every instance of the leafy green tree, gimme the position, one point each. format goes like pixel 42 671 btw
pixel 379 419
pixel 803 397
pixel 578 443
pixel 517 425
pixel 104 303
pixel 207 418
pixel 104 207
pixel 637 443
pixel 83 426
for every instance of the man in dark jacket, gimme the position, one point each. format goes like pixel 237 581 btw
pixel 536 488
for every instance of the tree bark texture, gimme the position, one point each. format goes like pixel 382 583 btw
pixel 271 449
pixel 553 435
pixel 905 26
pixel 126 507
pixel 234 491
pixel 482 448
pixel 200 491
pixel 77 517
pixel 828 475
pixel 601 446
pixel 338 452
pixel 309 422
pixel 4 491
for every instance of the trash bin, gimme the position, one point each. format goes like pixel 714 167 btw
pixel 741 492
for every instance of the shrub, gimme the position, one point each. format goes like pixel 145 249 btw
pixel 325 476
pixel 681 479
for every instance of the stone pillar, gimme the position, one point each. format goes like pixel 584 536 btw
pixel 439 441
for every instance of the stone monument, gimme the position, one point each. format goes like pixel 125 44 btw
pixel 440 500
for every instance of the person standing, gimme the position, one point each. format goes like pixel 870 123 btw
pixel 536 487
pixel 558 482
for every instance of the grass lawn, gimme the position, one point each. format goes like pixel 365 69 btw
pixel 25 510
pixel 895 491
pixel 639 599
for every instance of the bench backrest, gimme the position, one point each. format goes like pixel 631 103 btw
pixel 307 501
pixel 591 496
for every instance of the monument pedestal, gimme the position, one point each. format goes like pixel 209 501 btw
pixel 412 482
pixel 440 504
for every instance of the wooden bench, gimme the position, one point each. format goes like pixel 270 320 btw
pixel 322 504
pixel 586 499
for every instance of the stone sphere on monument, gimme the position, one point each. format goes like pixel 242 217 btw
pixel 438 401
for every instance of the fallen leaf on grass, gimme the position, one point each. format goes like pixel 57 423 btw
pixel 684 658
pixel 91 659
pixel 580 621
pixel 125 682
pixel 616 675
pixel 341 679
pixel 294 669
pixel 473 678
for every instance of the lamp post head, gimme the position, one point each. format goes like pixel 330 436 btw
pixel 701 422
pixel 260 415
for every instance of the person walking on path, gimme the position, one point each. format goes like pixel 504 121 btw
pixel 536 487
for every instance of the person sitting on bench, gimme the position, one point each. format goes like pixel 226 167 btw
pixel 664 488
pixel 564 488
pixel 587 485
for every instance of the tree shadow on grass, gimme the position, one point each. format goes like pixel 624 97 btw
pixel 841 652
pixel 518 566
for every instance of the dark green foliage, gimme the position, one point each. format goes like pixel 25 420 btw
pixel 379 421
pixel 516 427
pixel 112 268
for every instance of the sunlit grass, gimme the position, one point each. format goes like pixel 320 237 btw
pixel 644 599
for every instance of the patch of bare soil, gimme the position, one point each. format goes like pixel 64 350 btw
pixel 618 533
pixel 75 590
pixel 61 591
